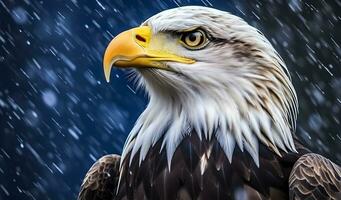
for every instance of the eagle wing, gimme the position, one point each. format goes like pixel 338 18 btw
pixel 101 180
pixel 315 177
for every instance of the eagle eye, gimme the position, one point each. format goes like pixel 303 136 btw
pixel 194 40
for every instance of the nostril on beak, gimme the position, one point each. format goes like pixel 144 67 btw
pixel 140 38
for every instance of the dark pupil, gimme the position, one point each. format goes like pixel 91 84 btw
pixel 193 37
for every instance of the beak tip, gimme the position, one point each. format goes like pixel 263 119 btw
pixel 107 71
pixel 107 77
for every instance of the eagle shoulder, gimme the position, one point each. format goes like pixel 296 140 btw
pixel 315 177
pixel 101 180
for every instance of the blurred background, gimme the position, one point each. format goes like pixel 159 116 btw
pixel 58 115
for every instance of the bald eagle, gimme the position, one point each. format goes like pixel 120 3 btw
pixel 220 120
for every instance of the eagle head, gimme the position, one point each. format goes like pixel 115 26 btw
pixel 209 71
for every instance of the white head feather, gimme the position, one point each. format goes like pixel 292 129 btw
pixel 237 91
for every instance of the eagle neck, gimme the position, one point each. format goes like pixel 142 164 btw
pixel 232 122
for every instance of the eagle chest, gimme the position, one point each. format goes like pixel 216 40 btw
pixel 201 170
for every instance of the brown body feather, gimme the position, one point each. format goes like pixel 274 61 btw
pixel 315 177
pixel 200 170
pixel 101 180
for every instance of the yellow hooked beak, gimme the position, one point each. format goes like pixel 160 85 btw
pixel 131 49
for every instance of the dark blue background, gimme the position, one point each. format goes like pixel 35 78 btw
pixel 58 115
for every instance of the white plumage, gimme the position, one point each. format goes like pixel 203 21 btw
pixel 240 100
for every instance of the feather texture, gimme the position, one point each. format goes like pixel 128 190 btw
pixel 201 170
pixel 315 177
pixel 101 181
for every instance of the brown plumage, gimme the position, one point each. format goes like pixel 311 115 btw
pixel 201 170
pixel 301 175
pixel 101 180
pixel 315 177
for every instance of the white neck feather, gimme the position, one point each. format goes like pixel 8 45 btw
pixel 232 113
